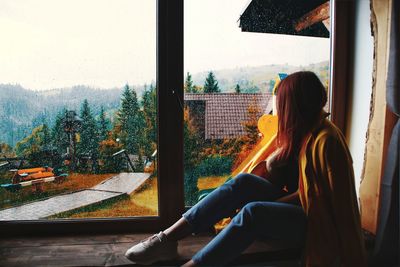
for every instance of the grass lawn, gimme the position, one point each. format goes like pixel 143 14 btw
pixel 75 181
pixel 142 202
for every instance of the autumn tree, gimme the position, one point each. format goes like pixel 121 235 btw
pixel 110 164
pixel 251 138
pixel 34 147
pixel 191 158
pixel 211 84
pixel 6 151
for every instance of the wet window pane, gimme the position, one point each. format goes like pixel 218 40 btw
pixel 78 109
pixel 235 53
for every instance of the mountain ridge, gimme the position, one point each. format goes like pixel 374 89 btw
pixel 23 109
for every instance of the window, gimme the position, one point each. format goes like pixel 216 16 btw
pixel 170 125
pixel 235 53
pixel 78 131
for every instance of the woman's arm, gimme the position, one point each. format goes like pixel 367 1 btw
pixel 261 170
pixel 264 168
pixel 292 198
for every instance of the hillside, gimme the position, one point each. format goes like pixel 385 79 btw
pixel 260 76
pixel 22 109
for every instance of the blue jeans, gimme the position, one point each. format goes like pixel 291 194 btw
pixel 259 217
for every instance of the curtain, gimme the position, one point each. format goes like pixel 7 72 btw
pixel 386 249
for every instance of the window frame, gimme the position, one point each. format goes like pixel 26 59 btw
pixel 169 50
pixel 170 125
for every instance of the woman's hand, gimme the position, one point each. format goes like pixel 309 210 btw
pixel 261 170
pixel 292 198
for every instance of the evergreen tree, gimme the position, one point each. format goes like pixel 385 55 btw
pixel 103 126
pixel 211 84
pixel 132 122
pixel 189 87
pixel 46 139
pixel 88 144
pixel 127 108
pixel 149 103
pixel 237 89
pixel 59 137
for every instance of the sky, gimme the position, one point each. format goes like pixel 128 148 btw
pixel 102 43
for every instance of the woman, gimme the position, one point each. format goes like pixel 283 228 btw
pixel 310 150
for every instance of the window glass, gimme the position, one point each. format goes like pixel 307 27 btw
pixel 78 131
pixel 232 63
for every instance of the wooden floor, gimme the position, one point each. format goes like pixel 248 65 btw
pixel 108 250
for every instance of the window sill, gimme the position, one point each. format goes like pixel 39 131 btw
pixel 108 250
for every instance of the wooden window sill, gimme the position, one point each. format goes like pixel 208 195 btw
pixel 108 250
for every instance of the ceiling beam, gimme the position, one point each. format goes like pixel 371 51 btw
pixel 319 14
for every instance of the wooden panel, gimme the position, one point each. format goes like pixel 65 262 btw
pixel 374 154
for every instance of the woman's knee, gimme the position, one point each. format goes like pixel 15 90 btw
pixel 245 180
pixel 250 214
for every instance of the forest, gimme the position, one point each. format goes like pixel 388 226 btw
pixel 85 139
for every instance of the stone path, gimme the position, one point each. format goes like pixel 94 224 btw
pixel 123 183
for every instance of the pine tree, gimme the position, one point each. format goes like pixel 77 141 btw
pixel 149 104
pixel 103 125
pixel 211 84
pixel 46 138
pixel 59 137
pixel 88 144
pixel 132 122
pixel 189 87
pixel 127 109
pixel 237 89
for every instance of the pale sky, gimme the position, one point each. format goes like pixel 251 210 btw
pixel 103 43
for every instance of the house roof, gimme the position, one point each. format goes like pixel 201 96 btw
pixel 226 112
pixel 280 16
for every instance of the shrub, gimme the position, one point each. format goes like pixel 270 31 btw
pixel 214 165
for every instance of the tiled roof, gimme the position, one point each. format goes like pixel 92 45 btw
pixel 226 112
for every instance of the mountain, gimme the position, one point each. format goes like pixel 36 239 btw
pixel 260 77
pixel 22 109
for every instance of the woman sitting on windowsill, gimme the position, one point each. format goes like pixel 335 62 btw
pixel 318 207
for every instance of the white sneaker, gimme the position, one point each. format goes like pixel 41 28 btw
pixel 153 249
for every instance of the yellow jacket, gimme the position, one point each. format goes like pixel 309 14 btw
pixel 327 194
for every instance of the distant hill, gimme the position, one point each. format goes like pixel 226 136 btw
pixel 22 109
pixel 260 76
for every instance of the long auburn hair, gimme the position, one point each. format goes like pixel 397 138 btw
pixel 300 99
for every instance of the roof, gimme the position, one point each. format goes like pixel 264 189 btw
pixel 279 16
pixel 226 112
